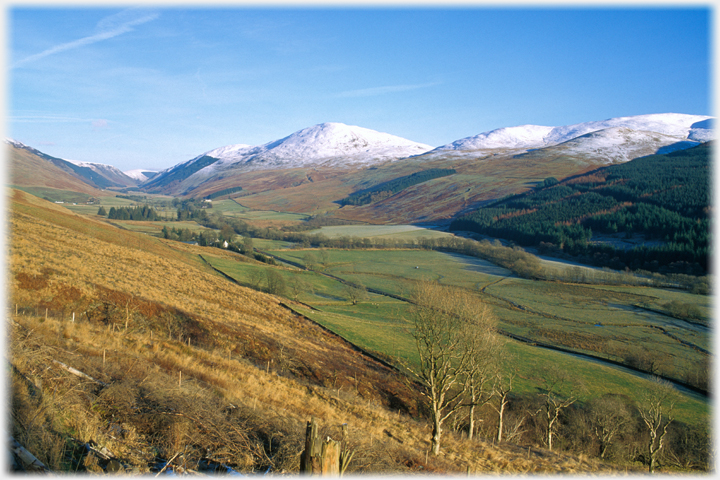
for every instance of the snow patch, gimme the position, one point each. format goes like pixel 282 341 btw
pixel 139 174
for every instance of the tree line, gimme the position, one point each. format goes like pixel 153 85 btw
pixel 131 213
pixel 664 198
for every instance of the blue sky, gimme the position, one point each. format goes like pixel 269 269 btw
pixel 152 87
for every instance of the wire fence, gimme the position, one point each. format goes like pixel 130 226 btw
pixel 43 312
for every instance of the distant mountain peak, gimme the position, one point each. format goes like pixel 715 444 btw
pixel 329 143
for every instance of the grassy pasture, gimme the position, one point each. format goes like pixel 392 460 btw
pixel 268 245
pixel 155 228
pixel 232 208
pixel 376 326
pixel 317 290
pixel 582 309
pixel 389 334
pixel 229 207
pixel 561 314
pixel 56 195
pixel 378 231
pixel 395 270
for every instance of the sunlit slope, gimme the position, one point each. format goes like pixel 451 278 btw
pixel 60 249
pixel 477 180
pixel 157 309
pixel 29 170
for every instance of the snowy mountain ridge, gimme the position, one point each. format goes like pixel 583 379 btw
pixel 329 144
pixel 100 168
pixel 679 126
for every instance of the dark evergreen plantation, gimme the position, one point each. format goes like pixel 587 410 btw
pixel 665 198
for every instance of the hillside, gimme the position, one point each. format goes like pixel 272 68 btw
pixel 96 175
pixel 650 213
pixel 188 365
pixel 27 169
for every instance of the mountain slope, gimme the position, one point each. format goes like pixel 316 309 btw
pixel 94 174
pixel 28 169
pixel 328 145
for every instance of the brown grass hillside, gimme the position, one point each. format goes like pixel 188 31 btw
pixel 29 170
pixel 194 366
pixel 313 191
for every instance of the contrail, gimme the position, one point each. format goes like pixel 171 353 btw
pixel 114 31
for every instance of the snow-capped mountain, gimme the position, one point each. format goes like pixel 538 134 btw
pixel 702 131
pixel 326 144
pixel 107 171
pixel 332 144
pixel 522 137
pixel 622 136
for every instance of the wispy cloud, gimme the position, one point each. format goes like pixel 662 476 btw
pixel 372 92
pixel 108 27
pixel 46 119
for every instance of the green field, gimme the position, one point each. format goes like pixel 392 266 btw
pixel 408 232
pixel 55 195
pixel 112 201
pixel 605 321
pixel 396 271
pixel 231 208
pixel 384 329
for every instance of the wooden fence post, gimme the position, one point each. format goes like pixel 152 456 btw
pixel 320 457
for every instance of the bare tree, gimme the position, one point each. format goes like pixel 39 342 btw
pixel 324 257
pixel 501 389
pixel 311 261
pixel 483 366
pixel 275 282
pixel 446 323
pixel 609 417
pixel 256 276
pixel 558 393
pixel 298 285
pixel 656 411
